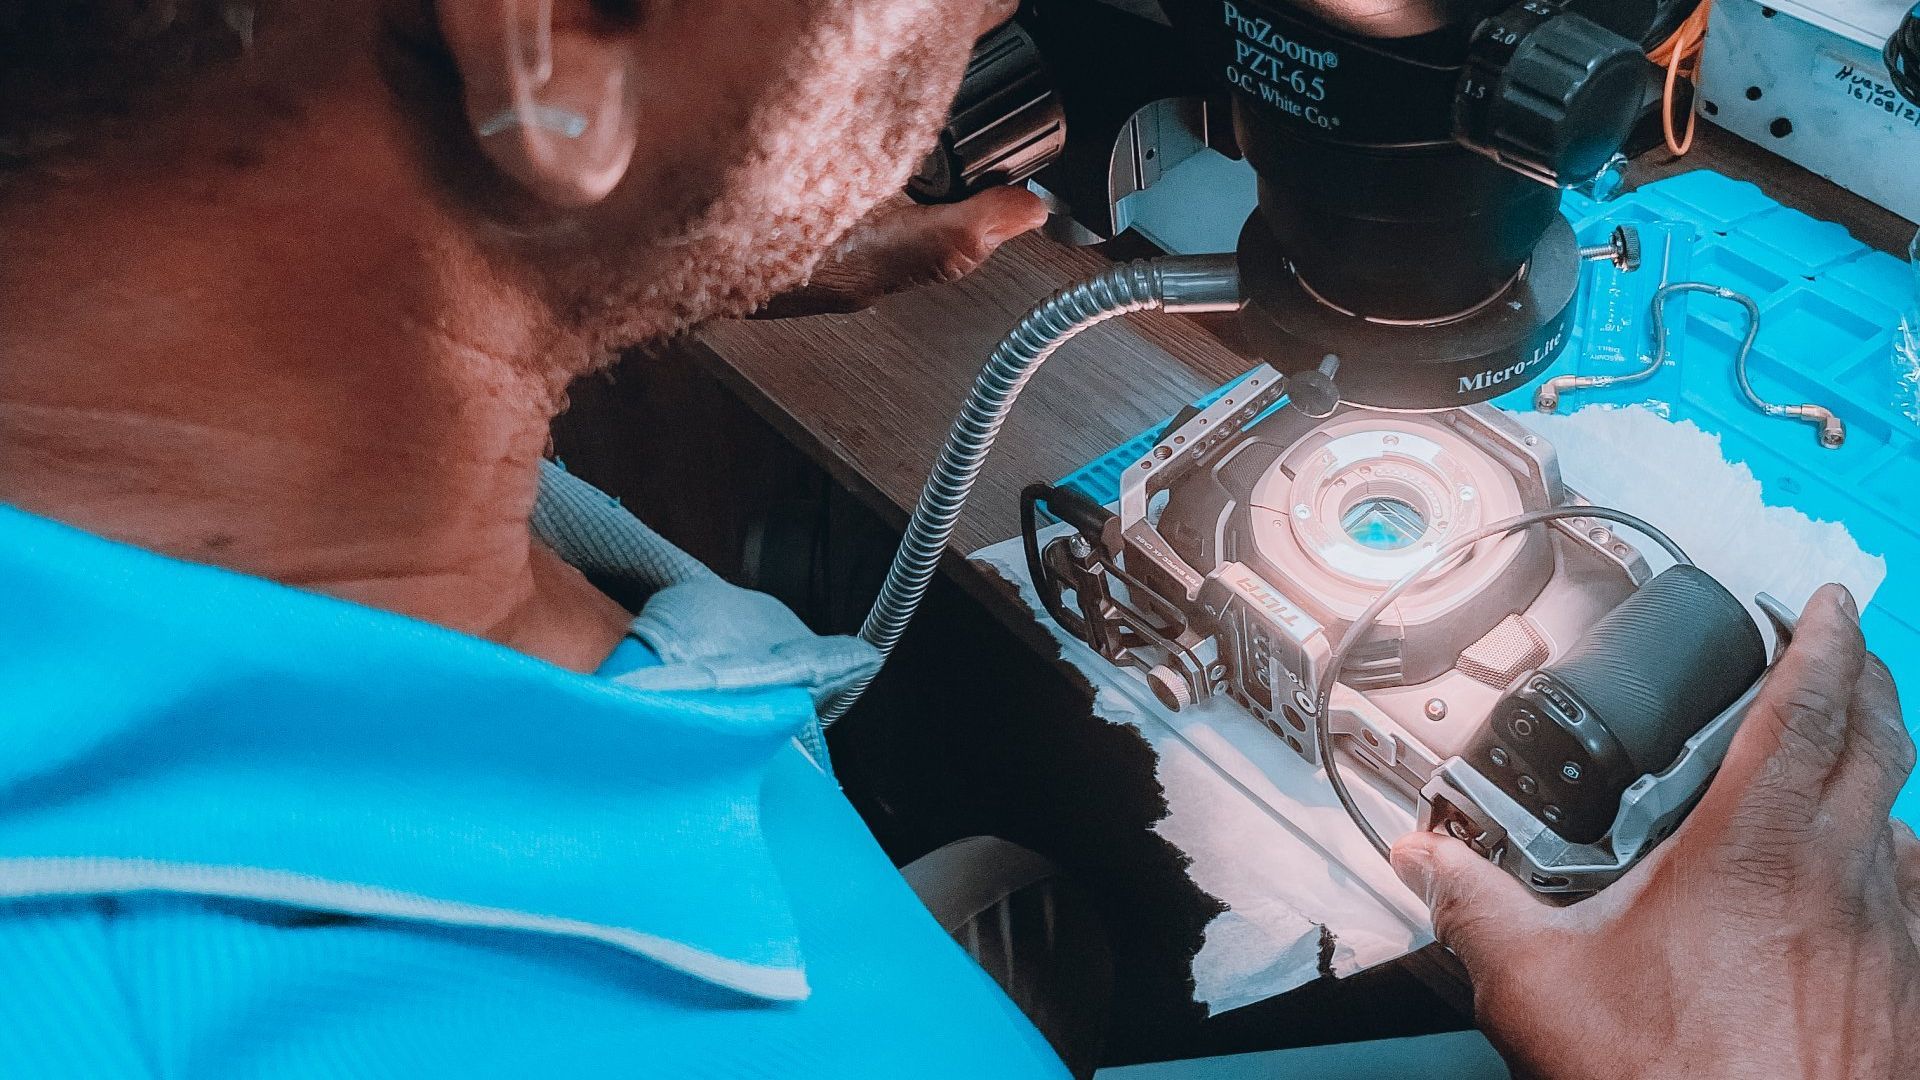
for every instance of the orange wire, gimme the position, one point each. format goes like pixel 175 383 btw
pixel 1681 51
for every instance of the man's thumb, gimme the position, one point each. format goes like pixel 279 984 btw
pixel 1478 909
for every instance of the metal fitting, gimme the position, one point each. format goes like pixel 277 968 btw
pixel 1547 397
pixel 1833 430
pixel 1196 284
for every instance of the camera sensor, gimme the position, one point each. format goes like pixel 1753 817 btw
pixel 1384 524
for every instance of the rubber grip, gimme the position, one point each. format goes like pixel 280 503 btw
pixel 1659 667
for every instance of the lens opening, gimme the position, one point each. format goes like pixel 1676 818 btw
pixel 1383 523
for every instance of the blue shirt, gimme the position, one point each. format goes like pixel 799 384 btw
pixel 251 831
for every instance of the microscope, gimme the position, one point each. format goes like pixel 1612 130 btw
pixel 1350 544
pixel 1409 155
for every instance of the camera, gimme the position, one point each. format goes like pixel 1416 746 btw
pixel 1421 597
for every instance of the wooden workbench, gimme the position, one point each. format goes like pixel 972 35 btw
pixel 868 397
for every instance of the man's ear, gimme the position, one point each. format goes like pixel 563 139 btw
pixel 554 104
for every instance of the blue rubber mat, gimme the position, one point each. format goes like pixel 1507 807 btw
pixel 1830 307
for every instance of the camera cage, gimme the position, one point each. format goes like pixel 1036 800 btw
pixel 1151 628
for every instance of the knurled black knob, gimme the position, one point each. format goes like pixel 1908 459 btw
pixel 1550 94
pixel 1006 124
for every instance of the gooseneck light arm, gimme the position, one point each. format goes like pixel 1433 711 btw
pixel 1176 284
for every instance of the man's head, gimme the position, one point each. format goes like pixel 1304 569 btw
pixel 622 167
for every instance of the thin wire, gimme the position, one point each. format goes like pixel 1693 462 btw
pixel 1833 430
pixel 1658 311
pixel 1323 732
pixel 1681 50
pixel 1746 350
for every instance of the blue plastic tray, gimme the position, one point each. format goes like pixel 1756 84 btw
pixel 1829 305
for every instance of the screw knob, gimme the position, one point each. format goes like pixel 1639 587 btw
pixel 1622 249
pixel 1313 391
pixel 1171 687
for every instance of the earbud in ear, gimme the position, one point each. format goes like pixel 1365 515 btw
pixel 555 110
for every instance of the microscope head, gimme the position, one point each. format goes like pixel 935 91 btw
pixel 1410 159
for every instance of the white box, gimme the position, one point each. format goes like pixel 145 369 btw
pixel 1807 81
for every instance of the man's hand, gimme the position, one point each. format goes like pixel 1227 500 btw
pixel 1774 935
pixel 901 246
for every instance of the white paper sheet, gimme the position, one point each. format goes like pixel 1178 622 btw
pixel 1672 474
pixel 1304 891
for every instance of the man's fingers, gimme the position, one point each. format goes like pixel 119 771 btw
pixel 923 244
pixel 1906 871
pixel 902 246
pixel 1791 740
pixel 1479 910
pixel 995 13
pixel 1878 755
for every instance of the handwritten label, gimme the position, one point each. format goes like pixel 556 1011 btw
pixel 1867 86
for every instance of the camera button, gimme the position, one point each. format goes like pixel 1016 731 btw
pixel 1498 755
pixel 1527 785
pixel 1551 814
pixel 1571 772
pixel 1522 725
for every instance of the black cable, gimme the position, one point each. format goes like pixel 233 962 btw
pixel 1902 56
pixel 1323 732
pixel 1031 497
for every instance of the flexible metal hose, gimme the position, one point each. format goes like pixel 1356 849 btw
pixel 1547 398
pixel 1196 283
pixel 1833 430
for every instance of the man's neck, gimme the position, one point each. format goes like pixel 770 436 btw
pixel 372 431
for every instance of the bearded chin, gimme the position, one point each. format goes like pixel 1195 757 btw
pixel 713 271
pixel 821 151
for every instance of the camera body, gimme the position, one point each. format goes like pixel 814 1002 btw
pixel 1542 694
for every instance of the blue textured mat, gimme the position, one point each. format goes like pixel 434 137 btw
pixel 1829 305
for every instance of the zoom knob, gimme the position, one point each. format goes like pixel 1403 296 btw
pixel 1006 123
pixel 1549 94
